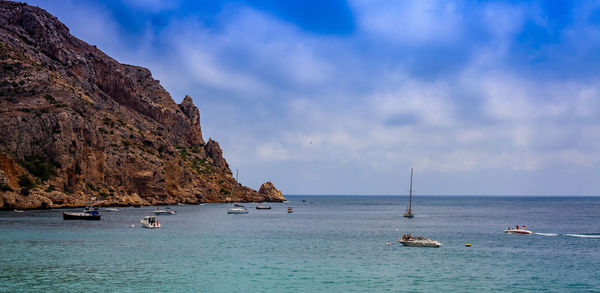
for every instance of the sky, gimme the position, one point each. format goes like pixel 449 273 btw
pixel 344 97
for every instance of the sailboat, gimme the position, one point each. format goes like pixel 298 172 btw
pixel 409 213
pixel 238 208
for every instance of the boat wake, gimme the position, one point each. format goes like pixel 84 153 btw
pixel 584 235
pixel 547 234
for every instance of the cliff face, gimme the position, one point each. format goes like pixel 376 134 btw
pixel 75 123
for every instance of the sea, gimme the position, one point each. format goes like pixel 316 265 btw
pixel 328 244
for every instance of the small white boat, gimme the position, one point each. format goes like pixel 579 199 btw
pixel 237 210
pixel 516 230
pixel 165 212
pixel 150 222
pixel 112 209
pixel 19 211
pixel 417 241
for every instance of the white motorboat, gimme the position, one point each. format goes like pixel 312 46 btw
pixel 237 210
pixel 150 222
pixel 164 212
pixel 516 230
pixel 112 209
pixel 417 241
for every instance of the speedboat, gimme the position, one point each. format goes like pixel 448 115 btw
pixel 237 210
pixel 165 212
pixel 150 222
pixel 89 213
pixel 19 211
pixel 517 230
pixel 417 241
pixel 112 209
pixel 263 207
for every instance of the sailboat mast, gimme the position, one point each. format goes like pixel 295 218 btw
pixel 234 182
pixel 410 191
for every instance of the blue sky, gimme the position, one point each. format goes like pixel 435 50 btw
pixel 344 97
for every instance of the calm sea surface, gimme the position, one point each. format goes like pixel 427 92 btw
pixel 334 244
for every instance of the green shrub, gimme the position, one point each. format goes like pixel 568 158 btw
pixel 92 187
pixel 25 182
pixel 49 98
pixel 196 149
pixel 40 167
pixel 5 187
pixel 184 154
pixel 108 122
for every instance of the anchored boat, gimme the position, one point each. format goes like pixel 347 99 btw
pixel 409 213
pixel 417 241
pixel 165 212
pixel 89 213
pixel 150 222
pixel 237 210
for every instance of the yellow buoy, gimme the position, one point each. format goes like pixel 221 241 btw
pixel 468 244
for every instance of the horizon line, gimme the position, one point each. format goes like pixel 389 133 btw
pixel 463 195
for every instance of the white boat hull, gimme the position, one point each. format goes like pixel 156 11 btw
pixel 420 242
pixel 150 226
pixel 237 211
pixel 517 231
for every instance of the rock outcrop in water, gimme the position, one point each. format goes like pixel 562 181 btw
pixel 75 123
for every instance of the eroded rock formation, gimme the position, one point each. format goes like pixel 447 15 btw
pixel 75 123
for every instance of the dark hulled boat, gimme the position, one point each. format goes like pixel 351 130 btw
pixel 90 213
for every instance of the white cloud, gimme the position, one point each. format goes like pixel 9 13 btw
pixel 321 114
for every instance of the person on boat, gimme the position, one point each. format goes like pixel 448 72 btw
pixel 524 227
pixel 517 227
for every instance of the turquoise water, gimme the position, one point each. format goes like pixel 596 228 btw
pixel 336 244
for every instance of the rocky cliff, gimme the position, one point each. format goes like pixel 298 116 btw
pixel 75 123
